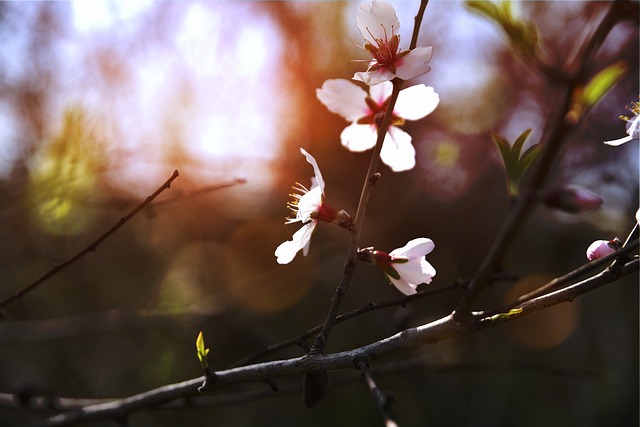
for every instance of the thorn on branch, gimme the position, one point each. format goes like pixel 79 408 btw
pixel 209 378
pixel 373 179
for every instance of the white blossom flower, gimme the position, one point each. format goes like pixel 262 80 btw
pixel 379 26
pixel 406 267
pixel 602 248
pixel 309 207
pixel 633 126
pixel 365 112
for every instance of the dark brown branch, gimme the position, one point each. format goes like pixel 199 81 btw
pixel 555 134
pixel 383 401
pixel 91 247
pixel 438 330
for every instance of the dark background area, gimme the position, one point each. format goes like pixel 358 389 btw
pixel 94 116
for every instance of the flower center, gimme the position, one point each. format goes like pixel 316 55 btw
pixel 385 50
pixel 377 113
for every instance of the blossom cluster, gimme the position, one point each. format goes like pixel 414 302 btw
pixel 378 23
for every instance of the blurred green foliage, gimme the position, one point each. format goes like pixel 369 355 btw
pixel 204 261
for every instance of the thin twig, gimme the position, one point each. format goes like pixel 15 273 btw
pixel 438 330
pixel 555 134
pixel 200 191
pixel 372 306
pixel 367 187
pixel 91 247
pixel 383 401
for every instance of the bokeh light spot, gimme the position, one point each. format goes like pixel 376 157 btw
pixel 543 329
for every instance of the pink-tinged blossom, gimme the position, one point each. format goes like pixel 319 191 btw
pixel 572 199
pixel 633 126
pixel 379 26
pixel 309 207
pixel 602 248
pixel 366 111
pixel 406 267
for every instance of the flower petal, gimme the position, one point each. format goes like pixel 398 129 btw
pixel 634 128
pixel 358 138
pixel 377 20
pixel 599 249
pixel 620 141
pixel 403 285
pixel 342 97
pixel 397 151
pixel 309 203
pixel 372 78
pixel 414 249
pixel 379 93
pixel 415 63
pixel 416 102
pixel 318 180
pixel 416 272
pixel 300 240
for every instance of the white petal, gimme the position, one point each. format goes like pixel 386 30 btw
pixel 416 272
pixel 379 93
pixel 414 249
pixel 319 181
pixel 403 285
pixel 414 64
pixel 342 97
pixel 378 20
pixel 416 102
pixel 634 128
pixel 397 151
pixel 300 240
pixel 358 138
pixel 620 141
pixel 373 78
pixel 638 216
pixel 309 203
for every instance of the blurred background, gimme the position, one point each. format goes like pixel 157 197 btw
pixel 100 101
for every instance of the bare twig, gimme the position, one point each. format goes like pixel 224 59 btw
pixel 555 133
pixel 438 330
pixel 91 247
pixel 383 401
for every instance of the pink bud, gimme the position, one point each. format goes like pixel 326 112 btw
pixel 572 199
pixel 602 248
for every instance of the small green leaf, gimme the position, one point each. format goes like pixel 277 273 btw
pixel 505 316
pixel 201 350
pixel 519 143
pixel 486 8
pixel 505 150
pixel 602 82
pixel 515 162
pixel 529 156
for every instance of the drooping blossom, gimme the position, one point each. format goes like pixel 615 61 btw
pixel 366 111
pixel 406 267
pixel 309 207
pixel 572 199
pixel 633 126
pixel 602 248
pixel 379 26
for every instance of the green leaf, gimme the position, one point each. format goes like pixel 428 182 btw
pixel 515 162
pixel 486 8
pixel 529 156
pixel 201 350
pixel 602 82
pixel 505 150
pixel 517 146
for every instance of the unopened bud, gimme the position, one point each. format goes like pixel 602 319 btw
pixel 572 199
pixel 343 219
pixel 602 248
